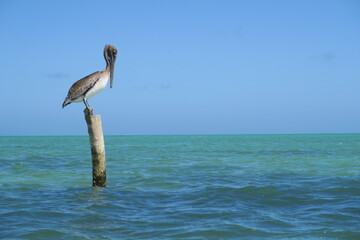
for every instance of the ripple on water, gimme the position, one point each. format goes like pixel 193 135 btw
pixel 183 187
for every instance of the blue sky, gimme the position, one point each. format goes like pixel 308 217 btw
pixel 183 67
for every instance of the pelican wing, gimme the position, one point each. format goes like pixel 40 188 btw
pixel 80 87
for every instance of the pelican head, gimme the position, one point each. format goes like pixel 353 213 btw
pixel 110 53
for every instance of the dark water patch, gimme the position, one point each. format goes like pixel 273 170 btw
pixel 48 234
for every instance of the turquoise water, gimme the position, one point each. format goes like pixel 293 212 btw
pixel 182 187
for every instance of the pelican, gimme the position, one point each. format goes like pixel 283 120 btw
pixel 90 85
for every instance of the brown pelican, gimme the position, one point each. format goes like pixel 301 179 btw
pixel 90 85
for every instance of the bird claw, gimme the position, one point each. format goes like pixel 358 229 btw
pixel 89 111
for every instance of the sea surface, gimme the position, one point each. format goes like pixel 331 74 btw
pixel 182 187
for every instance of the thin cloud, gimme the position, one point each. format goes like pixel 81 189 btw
pixel 165 86
pixel 238 31
pixel 162 86
pixel 55 75
pixel 326 57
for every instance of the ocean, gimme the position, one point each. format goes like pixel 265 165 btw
pixel 182 187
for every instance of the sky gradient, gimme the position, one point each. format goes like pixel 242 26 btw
pixel 183 67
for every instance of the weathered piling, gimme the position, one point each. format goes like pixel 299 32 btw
pixel 97 148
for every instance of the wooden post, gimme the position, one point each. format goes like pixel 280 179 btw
pixel 97 148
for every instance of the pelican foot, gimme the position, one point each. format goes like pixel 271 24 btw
pixel 89 111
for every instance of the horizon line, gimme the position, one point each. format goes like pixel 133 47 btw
pixel 186 134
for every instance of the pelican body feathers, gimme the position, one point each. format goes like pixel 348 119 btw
pixel 87 87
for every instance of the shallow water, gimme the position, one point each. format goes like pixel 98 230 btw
pixel 182 187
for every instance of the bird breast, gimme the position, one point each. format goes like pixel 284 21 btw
pixel 99 85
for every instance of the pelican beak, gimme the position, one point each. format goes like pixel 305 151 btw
pixel 112 66
pixel 110 53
